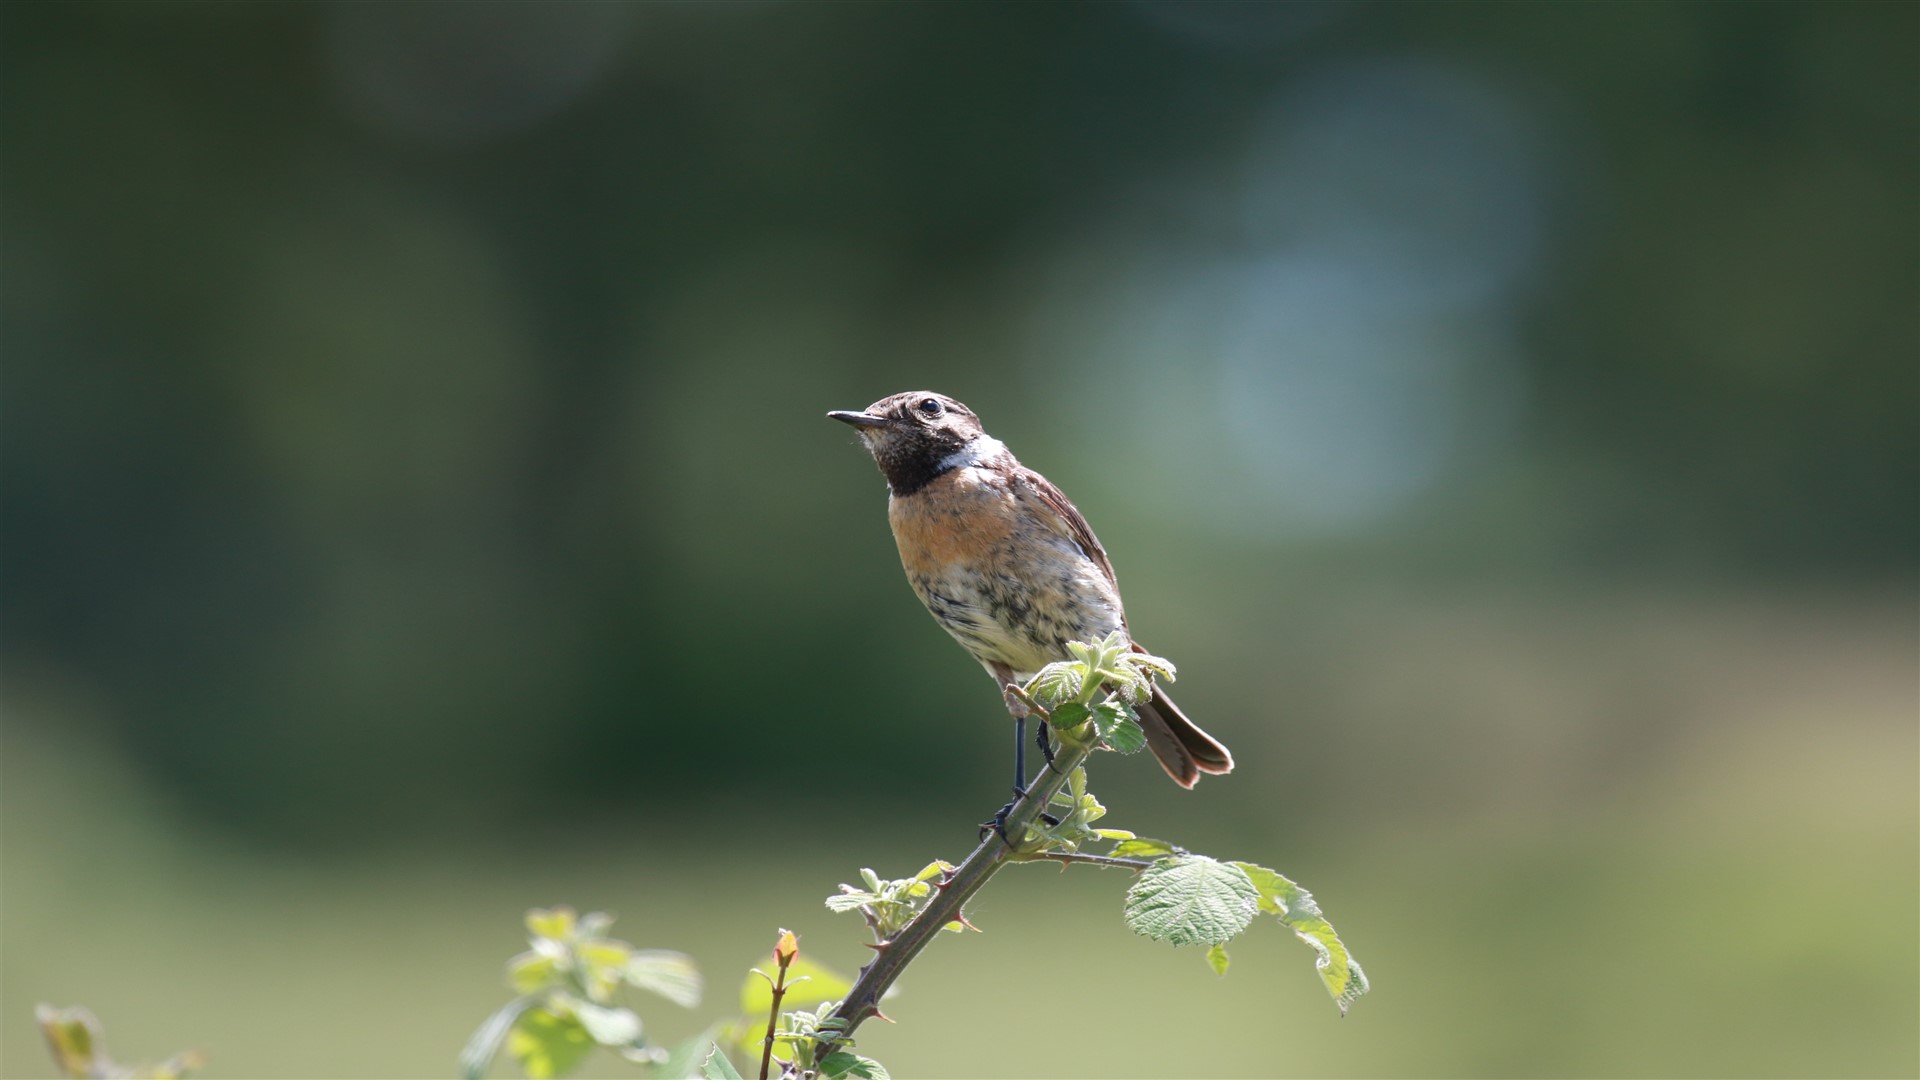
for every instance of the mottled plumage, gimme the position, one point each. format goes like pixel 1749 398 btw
pixel 1003 560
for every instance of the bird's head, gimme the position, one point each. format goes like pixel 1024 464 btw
pixel 918 435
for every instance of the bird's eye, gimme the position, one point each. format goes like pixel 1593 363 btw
pixel 930 406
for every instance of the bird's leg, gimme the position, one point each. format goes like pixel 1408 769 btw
pixel 1017 705
pixel 999 821
pixel 1020 713
pixel 1004 676
pixel 1019 757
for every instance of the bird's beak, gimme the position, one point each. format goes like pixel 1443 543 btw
pixel 860 419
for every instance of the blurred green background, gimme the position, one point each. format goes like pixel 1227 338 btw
pixel 417 507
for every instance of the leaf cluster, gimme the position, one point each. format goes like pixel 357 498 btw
pixel 888 906
pixel 809 984
pixel 1187 899
pixel 1073 809
pixel 787 1017
pixel 805 1030
pixel 1110 663
pixel 1069 693
pixel 570 981
pixel 78 1044
pixel 1180 898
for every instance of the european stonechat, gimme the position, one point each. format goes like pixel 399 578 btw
pixel 1005 562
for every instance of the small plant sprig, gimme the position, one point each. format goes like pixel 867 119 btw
pixel 569 982
pixel 788 1042
pixel 888 906
pixel 803 1032
pixel 79 1047
pixel 1103 683
pixel 809 1032
pixel 784 950
pixel 811 988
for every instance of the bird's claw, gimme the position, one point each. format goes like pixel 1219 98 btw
pixel 1046 748
pixel 998 823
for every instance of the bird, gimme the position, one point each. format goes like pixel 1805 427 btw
pixel 1006 563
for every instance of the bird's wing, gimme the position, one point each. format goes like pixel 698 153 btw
pixel 1068 520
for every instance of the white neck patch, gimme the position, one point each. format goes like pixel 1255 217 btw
pixel 980 449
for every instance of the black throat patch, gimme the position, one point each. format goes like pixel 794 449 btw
pixel 908 472
pixel 912 464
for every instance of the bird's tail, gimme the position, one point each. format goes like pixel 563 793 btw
pixel 1184 750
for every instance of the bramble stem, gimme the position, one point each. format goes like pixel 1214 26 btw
pixel 893 955
pixel 1068 858
pixel 863 1000
pixel 773 1014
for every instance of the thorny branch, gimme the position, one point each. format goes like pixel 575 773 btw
pixel 955 889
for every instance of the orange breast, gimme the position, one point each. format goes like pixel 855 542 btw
pixel 957 518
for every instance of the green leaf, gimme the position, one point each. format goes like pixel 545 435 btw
pixel 685 1060
pixel 823 984
pixel 548 1043
pixel 1068 714
pixel 717 1067
pixel 843 1063
pixel 487 1038
pixel 609 1026
pixel 556 923
pixel 1141 847
pixel 1295 906
pixel 531 971
pixel 1159 665
pixel 75 1040
pixel 1191 900
pixel 1119 728
pixel 1057 682
pixel 73 1037
pixel 1217 959
pixel 667 973
pixel 602 966
pixel 604 953
pixel 1277 893
pixel 1334 959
